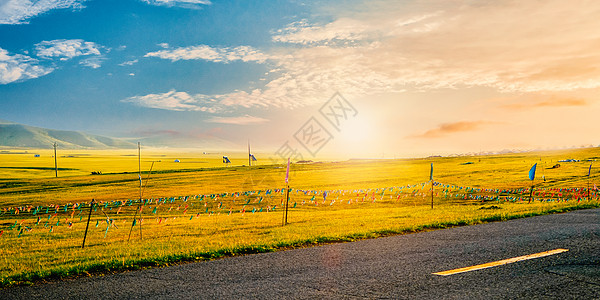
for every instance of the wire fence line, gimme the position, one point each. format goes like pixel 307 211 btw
pixel 17 221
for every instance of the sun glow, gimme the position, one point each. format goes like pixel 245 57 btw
pixel 356 137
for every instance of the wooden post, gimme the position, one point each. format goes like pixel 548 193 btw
pixel 531 192
pixel 432 194
pixel 287 199
pixel 589 175
pixel 588 187
pixel 132 224
pixel 88 224
pixel 431 179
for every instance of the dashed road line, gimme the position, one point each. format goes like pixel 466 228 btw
pixel 501 262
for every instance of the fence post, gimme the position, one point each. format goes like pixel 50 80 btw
pixel 88 223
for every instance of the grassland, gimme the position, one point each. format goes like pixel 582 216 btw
pixel 198 209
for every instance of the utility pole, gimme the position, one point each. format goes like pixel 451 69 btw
pixel 140 168
pixel 140 175
pixel 55 162
pixel 249 158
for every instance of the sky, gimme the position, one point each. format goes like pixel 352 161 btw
pixel 351 79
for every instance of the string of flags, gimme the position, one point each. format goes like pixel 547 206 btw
pixel 52 216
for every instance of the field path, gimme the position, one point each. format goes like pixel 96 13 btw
pixel 394 267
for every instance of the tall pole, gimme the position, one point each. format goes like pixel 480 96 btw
pixel 287 199
pixel 140 204
pixel 431 179
pixel 140 168
pixel 249 160
pixel 287 191
pixel 532 178
pixel 140 175
pixel 55 162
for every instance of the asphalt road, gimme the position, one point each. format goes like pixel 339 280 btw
pixel 398 267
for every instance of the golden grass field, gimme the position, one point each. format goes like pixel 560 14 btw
pixel 198 209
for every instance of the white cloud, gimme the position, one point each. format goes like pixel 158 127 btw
pixel 243 120
pixel 204 52
pixel 19 67
pixel 129 63
pixel 20 11
pixel 302 32
pixel 163 45
pixel 176 101
pixel 182 3
pixel 94 62
pixel 66 49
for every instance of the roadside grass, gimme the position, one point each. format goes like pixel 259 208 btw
pixel 30 253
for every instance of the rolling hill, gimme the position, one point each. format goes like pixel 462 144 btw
pixel 19 135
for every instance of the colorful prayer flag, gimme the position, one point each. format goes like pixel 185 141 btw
pixel 532 172
pixel 431 172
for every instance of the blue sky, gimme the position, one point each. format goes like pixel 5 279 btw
pixel 96 57
pixel 425 77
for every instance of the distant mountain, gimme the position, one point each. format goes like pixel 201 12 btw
pixel 19 135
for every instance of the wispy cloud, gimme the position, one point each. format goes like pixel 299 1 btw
pixel 129 63
pixel 204 52
pixel 243 120
pixel 20 11
pixel 193 137
pixel 66 49
pixel 19 67
pixel 180 3
pixel 176 101
pixel 301 32
pixel 151 132
pixel 551 102
pixel 450 128
pixel 94 62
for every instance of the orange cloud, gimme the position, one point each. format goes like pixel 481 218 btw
pixel 450 128
pixel 553 102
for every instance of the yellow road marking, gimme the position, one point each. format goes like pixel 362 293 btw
pixel 501 262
